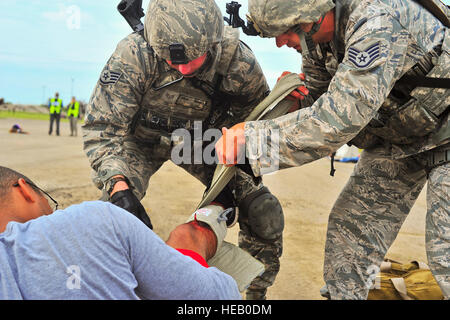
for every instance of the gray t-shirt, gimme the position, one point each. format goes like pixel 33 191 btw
pixel 96 250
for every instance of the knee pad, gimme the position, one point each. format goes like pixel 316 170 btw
pixel 264 214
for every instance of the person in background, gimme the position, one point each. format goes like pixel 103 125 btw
pixel 73 113
pixel 17 129
pixel 55 106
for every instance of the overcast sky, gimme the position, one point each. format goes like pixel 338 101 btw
pixel 62 45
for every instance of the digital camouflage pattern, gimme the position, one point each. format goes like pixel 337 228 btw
pixel 274 17
pixel 355 97
pixel 178 21
pixel 268 252
pixel 139 101
pixel 388 189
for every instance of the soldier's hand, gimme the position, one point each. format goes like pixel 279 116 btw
pixel 128 201
pixel 297 94
pixel 231 146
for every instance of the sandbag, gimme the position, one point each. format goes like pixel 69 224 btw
pixel 411 281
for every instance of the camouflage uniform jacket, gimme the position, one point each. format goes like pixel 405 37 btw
pixel 138 101
pixel 355 96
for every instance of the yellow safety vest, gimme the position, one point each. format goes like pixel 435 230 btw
pixel 55 106
pixel 73 109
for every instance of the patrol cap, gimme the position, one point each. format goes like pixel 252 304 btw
pixel 194 26
pixel 274 17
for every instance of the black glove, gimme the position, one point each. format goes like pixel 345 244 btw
pixel 128 201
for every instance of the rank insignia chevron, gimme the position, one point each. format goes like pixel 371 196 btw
pixel 109 77
pixel 362 59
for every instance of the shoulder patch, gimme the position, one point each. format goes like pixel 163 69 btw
pixel 109 77
pixel 363 59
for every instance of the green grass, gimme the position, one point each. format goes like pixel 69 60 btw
pixel 27 115
pixel 24 115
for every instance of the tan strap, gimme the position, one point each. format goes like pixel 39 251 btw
pixel 271 107
pixel 400 286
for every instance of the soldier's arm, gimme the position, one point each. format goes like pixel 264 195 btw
pixel 108 143
pixel 354 96
pixel 246 82
pixel 317 79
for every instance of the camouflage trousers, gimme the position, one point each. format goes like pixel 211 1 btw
pixel 268 252
pixel 369 212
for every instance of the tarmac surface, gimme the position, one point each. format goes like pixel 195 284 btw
pixel 307 193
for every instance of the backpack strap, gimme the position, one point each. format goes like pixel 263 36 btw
pixel 230 44
pixel 426 82
pixel 437 9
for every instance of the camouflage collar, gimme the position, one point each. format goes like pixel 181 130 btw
pixel 337 45
pixel 209 72
pixel 343 10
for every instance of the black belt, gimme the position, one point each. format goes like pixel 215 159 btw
pixel 160 123
pixel 426 82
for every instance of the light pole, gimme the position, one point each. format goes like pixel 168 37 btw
pixel 71 87
pixel 43 95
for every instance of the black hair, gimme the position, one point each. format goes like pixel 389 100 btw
pixel 8 177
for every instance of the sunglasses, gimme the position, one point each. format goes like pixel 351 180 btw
pixel 53 203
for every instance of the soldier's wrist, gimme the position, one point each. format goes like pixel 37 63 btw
pixel 119 186
pixel 117 183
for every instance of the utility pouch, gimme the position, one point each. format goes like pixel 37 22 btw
pixel 414 119
pixel 423 111
pixel 159 141
pixel 411 281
